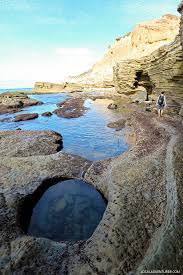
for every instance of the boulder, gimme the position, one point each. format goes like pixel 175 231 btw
pixel 71 108
pixel 24 117
pixel 148 109
pixel 140 95
pixel 112 106
pixel 8 109
pixel 118 125
pixel 21 143
pixel 47 114
pixel 14 102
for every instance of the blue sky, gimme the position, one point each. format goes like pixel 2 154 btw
pixel 44 40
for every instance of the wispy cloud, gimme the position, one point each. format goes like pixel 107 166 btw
pixel 142 7
pixel 77 60
pixel 52 66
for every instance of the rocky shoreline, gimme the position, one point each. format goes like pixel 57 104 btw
pixel 47 87
pixel 142 189
pixel 141 227
pixel 15 102
pixel 143 223
pixel 71 108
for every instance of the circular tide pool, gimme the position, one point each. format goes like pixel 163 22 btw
pixel 68 211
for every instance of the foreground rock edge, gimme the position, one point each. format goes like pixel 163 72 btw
pixel 134 222
pixel 21 143
pixel 15 102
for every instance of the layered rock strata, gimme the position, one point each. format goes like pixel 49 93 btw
pixel 47 87
pixel 162 71
pixel 56 87
pixel 142 226
pixel 145 38
pixel 180 10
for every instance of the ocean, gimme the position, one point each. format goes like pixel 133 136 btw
pixel 15 90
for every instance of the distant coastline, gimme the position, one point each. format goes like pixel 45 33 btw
pixel 15 90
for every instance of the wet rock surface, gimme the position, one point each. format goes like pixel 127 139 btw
pixel 14 102
pixel 29 143
pixel 140 185
pixel 118 125
pixel 24 117
pixel 112 106
pixel 142 226
pixel 71 108
pixel 47 114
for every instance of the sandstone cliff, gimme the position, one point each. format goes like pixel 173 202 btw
pixel 57 87
pixel 47 87
pixel 162 71
pixel 143 40
pixel 180 9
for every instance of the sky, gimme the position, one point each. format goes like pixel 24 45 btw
pixel 47 40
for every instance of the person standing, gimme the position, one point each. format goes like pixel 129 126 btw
pixel 161 104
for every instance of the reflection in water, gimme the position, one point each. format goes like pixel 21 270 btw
pixel 68 211
pixel 87 136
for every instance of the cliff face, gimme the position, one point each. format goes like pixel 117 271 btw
pixel 47 86
pixel 57 87
pixel 143 40
pixel 180 9
pixel 160 71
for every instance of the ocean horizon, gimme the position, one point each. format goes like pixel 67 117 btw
pixel 15 90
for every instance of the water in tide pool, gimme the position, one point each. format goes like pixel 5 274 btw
pixel 87 136
pixel 67 211
pixel 71 210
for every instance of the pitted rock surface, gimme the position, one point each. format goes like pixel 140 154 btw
pixel 141 189
pixel 24 117
pixel 71 108
pixel 29 143
pixel 14 102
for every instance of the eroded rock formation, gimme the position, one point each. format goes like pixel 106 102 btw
pixel 24 117
pixel 141 227
pixel 48 114
pixel 71 108
pixel 14 102
pixel 29 143
pixel 162 71
pixel 143 40
pixel 118 125
pixel 47 87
